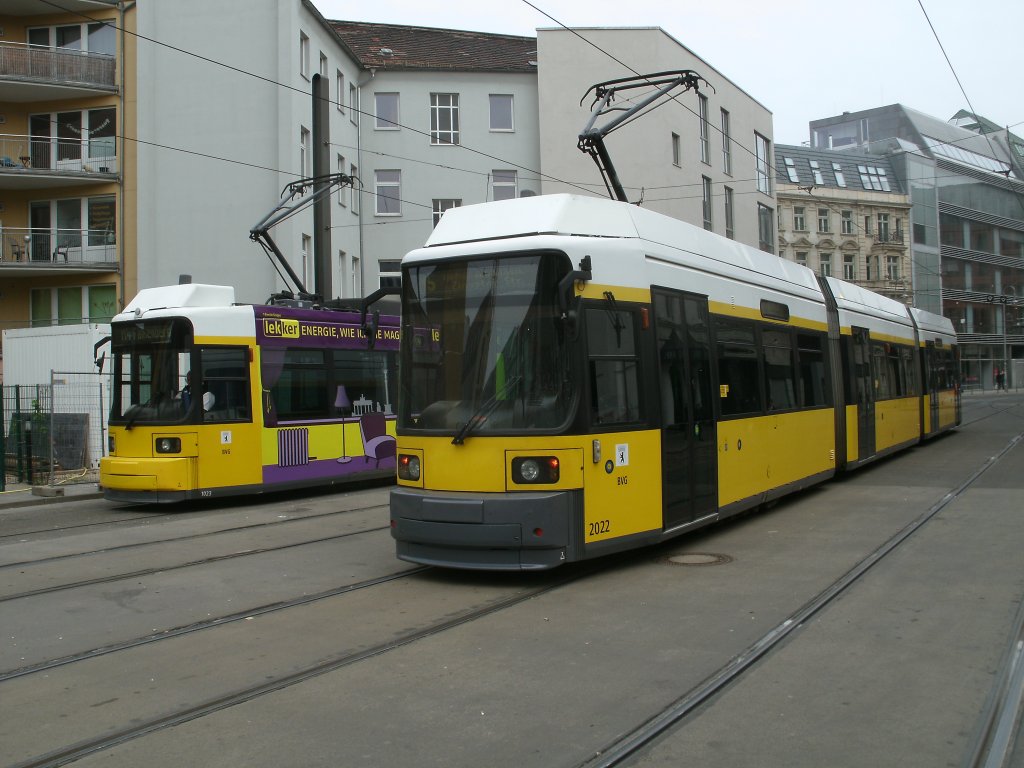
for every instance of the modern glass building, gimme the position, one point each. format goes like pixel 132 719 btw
pixel 964 178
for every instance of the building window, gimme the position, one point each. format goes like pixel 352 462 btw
pixel 306 254
pixel 867 225
pixel 867 268
pixel 98 37
pixel 443 204
pixel 339 91
pixel 816 173
pixel 846 225
pixel 892 267
pixel 342 194
pixel 883 227
pixel 444 118
pixel 676 155
pixel 726 144
pixel 791 170
pixel 356 184
pixel 501 112
pixel 705 149
pixel 801 258
pixel 323 64
pixel 304 55
pixel 825 265
pixel 304 156
pixel 873 178
pixel 823 220
pixel 706 202
pixel 837 169
pixel 762 152
pixel 730 231
pixel 388 191
pixel 353 106
pixel 386 111
pixel 390 274
pixel 357 277
pixel 72 305
pixel 799 219
pixel 849 266
pixel 503 186
pixel 766 237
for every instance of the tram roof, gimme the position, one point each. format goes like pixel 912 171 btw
pixel 570 215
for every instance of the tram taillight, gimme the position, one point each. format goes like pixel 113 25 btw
pixel 408 467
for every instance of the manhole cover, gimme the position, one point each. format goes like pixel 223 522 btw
pixel 698 558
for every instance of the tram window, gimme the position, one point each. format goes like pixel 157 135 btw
pixel 738 377
pixel 225 376
pixel 300 391
pixel 909 371
pixel 811 371
pixel 368 378
pixel 882 372
pixel 614 369
pixel 778 369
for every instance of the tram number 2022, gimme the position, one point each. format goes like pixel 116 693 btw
pixel 599 526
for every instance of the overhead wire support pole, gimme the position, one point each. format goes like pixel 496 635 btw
pixel 591 138
pixel 294 198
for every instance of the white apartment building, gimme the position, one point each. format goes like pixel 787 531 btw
pixel 705 157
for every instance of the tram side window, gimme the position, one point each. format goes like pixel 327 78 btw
pixel 909 370
pixel 300 391
pixel 738 377
pixel 880 372
pixel 369 379
pixel 225 377
pixel 778 368
pixel 614 367
pixel 811 383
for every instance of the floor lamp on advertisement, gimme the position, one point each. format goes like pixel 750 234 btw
pixel 343 404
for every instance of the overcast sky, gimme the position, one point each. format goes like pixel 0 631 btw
pixel 802 59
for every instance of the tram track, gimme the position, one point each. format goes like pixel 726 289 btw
pixel 187 564
pixel 630 745
pixel 211 623
pixel 188 537
pixel 84 748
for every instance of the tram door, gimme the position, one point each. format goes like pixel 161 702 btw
pixel 863 386
pixel 688 454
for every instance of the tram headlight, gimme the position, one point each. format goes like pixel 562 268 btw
pixel 535 470
pixel 111 445
pixel 168 445
pixel 409 467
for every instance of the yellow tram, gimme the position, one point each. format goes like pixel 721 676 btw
pixel 582 376
pixel 212 398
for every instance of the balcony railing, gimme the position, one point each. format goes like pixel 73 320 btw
pixel 888 237
pixel 59 247
pixel 19 154
pixel 38 63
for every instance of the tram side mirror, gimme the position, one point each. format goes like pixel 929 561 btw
pixel 568 301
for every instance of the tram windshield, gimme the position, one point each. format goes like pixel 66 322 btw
pixel 150 367
pixel 488 353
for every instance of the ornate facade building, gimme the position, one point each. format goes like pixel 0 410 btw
pixel 844 215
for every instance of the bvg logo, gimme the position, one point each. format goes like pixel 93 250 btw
pixel 282 329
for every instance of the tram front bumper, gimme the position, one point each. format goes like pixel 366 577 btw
pixel 137 479
pixel 485 531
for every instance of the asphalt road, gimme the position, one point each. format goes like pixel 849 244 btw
pixel 282 631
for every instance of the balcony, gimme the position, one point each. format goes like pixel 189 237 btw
pixel 37 72
pixel 45 251
pixel 892 238
pixel 34 162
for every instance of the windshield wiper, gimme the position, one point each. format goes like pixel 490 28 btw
pixel 481 413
